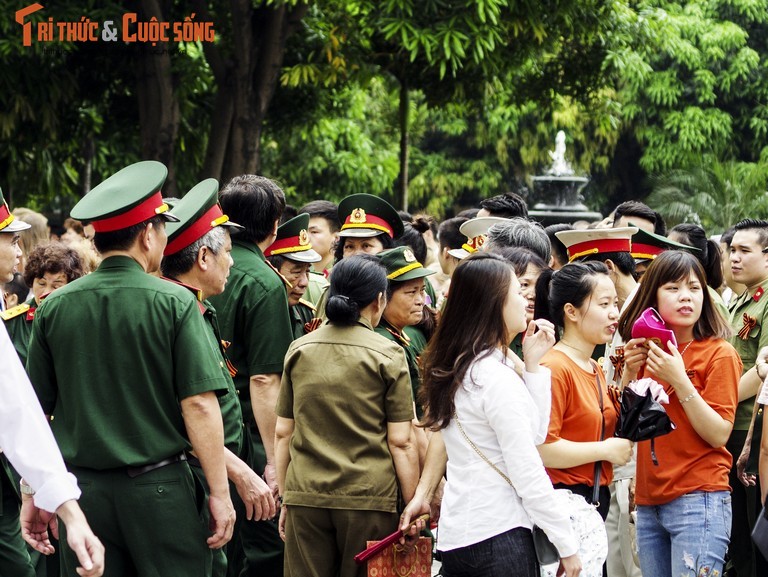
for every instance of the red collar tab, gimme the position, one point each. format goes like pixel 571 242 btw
pixel 195 231
pixel 145 210
pixel 758 293
pixel 31 313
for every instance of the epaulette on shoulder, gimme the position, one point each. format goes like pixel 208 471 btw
pixel 14 312
pixel 308 305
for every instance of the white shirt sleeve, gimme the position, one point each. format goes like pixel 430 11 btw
pixel 539 386
pixel 26 437
pixel 511 423
pixel 763 398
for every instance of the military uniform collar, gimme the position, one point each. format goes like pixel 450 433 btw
pixel 400 336
pixel 120 261
pixel 365 322
pixel 249 246
pixel 757 296
pixel 195 291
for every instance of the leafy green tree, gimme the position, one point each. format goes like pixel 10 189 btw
pixel 715 195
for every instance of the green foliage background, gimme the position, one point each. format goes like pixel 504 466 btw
pixel 651 94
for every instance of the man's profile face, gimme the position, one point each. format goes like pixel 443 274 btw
pixel 10 255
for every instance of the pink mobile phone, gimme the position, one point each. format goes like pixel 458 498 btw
pixel 651 326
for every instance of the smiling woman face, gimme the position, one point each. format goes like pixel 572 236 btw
pixel 680 303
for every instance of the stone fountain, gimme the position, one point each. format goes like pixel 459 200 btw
pixel 556 196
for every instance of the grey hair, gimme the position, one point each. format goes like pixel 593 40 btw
pixel 519 232
pixel 181 262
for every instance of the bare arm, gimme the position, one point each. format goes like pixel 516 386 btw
pixel 749 385
pixel 283 433
pixel 202 418
pixel 564 454
pixel 431 477
pixel 255 493
pixel 264 390
pixel 763 467
pixel 402 447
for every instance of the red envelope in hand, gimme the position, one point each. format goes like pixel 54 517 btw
pixel 651 326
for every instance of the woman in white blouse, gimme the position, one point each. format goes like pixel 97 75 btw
pixel 488 422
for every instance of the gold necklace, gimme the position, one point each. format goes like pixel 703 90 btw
pixel 685 348
pixel 581 360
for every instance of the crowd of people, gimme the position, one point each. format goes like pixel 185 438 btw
pixel 225 385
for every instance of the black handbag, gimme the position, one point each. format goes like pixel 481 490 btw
pixel 760 533
pixel 546 552
pixel 642 418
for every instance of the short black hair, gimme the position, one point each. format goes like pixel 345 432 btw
pixel 448 234
pixel 640 210
pixel 708 254
pixel 323 209
pixel 559 250
pixel 413 238
pixel 759 226
pixel 469 213
pixel 289 212
pixel 623 260
pixel 255 202
pixel 123 239
pixel 507 205
pixel 17 287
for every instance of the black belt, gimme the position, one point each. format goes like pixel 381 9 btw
pixel 136 471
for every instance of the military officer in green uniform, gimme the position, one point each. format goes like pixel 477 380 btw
pixel 198 257
pixel 749 320
pixel 254 317
pixel 122 361
pixel 14 559
pixel 292 256
pixel 405 305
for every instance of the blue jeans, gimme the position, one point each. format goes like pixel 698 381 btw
pixel 687 537
pixel 510 554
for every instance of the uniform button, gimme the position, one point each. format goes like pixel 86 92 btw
pixel 221 364
pixel 160 489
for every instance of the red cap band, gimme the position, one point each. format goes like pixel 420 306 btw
pixel 139 213
pixel 646 250
pixel 195 231
pixel 596 246
pixel 371 221
pixel 288 244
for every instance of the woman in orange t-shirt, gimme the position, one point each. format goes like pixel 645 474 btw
pixel 684 503
pixel 581 299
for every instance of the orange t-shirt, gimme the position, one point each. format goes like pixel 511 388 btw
pixel 687 462
pixel 575 415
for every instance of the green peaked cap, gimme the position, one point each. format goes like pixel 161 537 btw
pixel 292 241
pixel 198 212
pixel 128 197
pixel 364 216
pixel 647 245
pixel 402 265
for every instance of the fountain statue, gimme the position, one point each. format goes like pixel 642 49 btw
pixel 556 195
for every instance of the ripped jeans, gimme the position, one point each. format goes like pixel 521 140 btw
pixel 687 537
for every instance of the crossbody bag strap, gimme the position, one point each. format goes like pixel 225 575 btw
pixel 598 464
pixel 479 452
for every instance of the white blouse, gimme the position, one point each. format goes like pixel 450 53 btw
pixel 26 437
pixel 505 417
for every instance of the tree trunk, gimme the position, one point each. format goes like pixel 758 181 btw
pixel 246 84
pixel 403 114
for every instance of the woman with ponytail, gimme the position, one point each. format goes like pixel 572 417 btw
pixel 344 438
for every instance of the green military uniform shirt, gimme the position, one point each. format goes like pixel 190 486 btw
pixel 253 316
pixel 412 348
pixel 749 318
pixel 18 323
pixel 303 320
pixel 229 404
pixel 111 356
pixel 339 453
